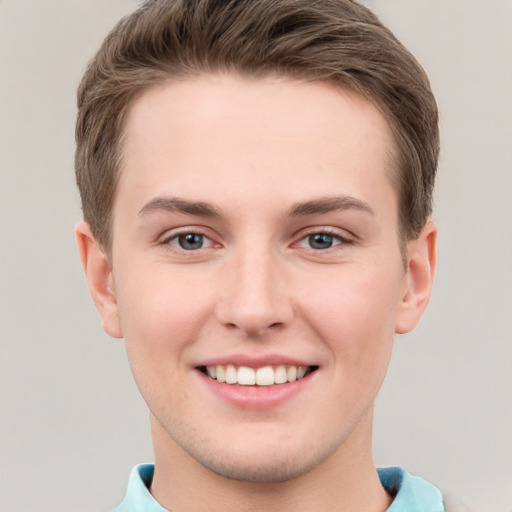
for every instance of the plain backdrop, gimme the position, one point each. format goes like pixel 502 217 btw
pixel 72 424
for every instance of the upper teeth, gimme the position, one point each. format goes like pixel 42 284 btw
pixel 264 376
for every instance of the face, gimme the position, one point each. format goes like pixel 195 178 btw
pixel 256 274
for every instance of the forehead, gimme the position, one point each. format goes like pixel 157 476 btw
pixel 255 135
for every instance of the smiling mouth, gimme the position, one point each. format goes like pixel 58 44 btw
pixel 264 376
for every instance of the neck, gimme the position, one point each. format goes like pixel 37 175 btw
pixel 346 481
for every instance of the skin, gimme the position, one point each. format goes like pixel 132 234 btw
pixel 270 162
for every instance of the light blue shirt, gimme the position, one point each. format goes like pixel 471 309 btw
pixel 412 494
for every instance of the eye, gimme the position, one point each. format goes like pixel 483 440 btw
pixel 189 241
pixel 322 240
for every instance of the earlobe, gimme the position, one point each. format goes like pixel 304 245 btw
pixel 99 279
pixel 421 264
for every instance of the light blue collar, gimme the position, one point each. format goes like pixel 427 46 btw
pixel 412 493
pixel 138 498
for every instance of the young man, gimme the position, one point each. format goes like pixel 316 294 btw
pixel 256 179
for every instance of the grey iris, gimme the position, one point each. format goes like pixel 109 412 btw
pixel 320 241
pixel 190 241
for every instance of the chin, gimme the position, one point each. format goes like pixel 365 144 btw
pixel 262 475
pixel 275 470
pixel 261 463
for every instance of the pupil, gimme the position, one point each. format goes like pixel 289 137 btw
pixel 191 241
pixel 320 241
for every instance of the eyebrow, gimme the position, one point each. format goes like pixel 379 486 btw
pixel 329 204
pixel 174 204
pixel 313 207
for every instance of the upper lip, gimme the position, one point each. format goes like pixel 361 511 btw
pixel 253 361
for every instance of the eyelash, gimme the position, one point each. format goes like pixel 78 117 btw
pixel 341 240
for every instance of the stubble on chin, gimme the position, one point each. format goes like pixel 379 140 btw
pixel 270 464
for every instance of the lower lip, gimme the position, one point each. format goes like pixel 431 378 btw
pixel 256 397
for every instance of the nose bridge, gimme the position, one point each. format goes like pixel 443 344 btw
pixel 256 296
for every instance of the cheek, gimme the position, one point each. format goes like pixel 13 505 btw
pixel 356 317
pixel 161 316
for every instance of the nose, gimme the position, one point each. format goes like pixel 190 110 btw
pixel 255 296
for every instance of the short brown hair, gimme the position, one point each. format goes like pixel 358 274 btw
pixel 337 41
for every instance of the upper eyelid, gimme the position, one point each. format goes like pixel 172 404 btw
pixel 343 234
pixel 169 234
pixel 340 238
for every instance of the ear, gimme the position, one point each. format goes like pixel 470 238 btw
pixel 99 279
pixel 421 265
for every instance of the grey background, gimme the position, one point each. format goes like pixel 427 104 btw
pixel 71 421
